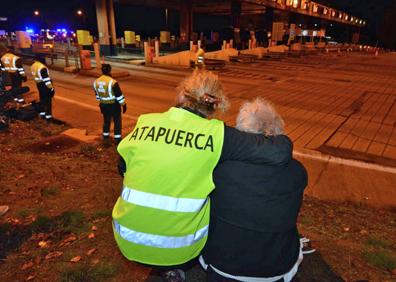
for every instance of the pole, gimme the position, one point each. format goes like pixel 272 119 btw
pixel 156 45
pixel 97 55
pixel 122 42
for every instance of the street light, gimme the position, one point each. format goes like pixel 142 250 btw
pixel 79 12
pixel 36 13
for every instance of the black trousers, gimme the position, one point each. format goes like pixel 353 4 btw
pixel 109 112
pixel 16 83
pixel 45 104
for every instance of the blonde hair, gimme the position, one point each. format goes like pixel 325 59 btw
pixel 193 91
pixel 259 116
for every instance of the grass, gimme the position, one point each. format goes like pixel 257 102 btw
pixel 88 150
pixel 68 222
pixel 101 214
pixel 305 220
pixel 73 222
pixel 86 273
pixel 378 242
pixel 49 191
pixel 22 213
pixel 380 258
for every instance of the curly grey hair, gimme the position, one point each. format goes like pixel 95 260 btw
pixel 203 92
pixel 259 116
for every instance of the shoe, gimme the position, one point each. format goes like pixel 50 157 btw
pixel 3 210
pixel 175 275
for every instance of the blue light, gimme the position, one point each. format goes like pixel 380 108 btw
pixel 63 29
pixel 58 30
pixel 29 30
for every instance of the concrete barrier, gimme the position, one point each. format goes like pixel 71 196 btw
pixel 178 59
pixel 278 49
pixel 222 54
pixel 259 52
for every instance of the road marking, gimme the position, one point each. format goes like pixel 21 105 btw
pixel 314 155
pixel 88 106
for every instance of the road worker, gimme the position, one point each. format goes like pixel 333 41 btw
pixel 200 58
pixel 111 99
pixel 45 88
pixel 12 65
pixel 161 217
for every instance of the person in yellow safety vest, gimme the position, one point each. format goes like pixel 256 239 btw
pixel 200 58
pixel 110 97
pixel 161 218
pixel 45 88
pixel 12 65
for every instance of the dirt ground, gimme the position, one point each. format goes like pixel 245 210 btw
pixel 58 228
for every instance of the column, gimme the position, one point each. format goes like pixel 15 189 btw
pixel 112 25
pixel 236 9
pixel 103 27
pixel 186 20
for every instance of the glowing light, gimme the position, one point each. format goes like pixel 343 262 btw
pixel 79 12
pixel 36 13
pixel 29 30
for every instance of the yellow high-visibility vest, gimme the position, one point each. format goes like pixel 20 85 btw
pixel 36 69
pixel 8 63
pixel 162 215
pixel 103 88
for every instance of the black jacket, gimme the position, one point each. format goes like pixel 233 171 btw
pixel 254 210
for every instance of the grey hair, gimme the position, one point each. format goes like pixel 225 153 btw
pixel 191 92
pixel 259 116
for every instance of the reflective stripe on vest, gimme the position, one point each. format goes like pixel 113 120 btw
pixel 104 88
pixel 162 202
pixel 164 207
pixel 158 241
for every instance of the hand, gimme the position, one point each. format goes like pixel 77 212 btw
pixel 124 108
pixel 24 79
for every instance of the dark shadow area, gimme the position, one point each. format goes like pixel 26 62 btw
pixel 313 269
pixel 13 236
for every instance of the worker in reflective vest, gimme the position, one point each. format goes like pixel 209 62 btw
pixel 12 65
pixel 162 216
pixel 45 88
pixel 200 58
pixel 110 97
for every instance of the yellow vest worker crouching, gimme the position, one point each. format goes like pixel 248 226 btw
pixel 45 88
pixel 12 65
pixel 110 97
pixel 162 216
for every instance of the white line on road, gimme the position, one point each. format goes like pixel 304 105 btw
pixel 88 106
pixel 314 155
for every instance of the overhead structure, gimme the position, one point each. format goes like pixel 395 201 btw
pixel 234 8
pixel 303 7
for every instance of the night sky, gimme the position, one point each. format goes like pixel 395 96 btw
pixel 148 21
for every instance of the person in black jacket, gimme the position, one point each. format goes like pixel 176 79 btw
pixel 253 234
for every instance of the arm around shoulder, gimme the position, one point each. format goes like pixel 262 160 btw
pixel 256 148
